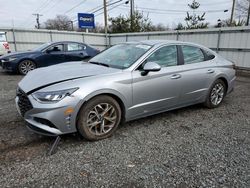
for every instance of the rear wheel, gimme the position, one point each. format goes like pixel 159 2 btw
pixel 99 118
pixel 25 66
pixel 216 94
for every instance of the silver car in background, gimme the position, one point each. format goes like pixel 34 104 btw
pixel 125 82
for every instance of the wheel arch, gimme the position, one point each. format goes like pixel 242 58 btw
pixel 223 78
pixel 112 93
pixel 21 60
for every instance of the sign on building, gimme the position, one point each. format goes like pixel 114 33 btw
pixel 86 21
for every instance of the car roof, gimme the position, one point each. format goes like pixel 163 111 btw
pixel 66 42
pixel 161 42
pixel 157 42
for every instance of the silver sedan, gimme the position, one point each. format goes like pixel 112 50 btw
pixel 125 82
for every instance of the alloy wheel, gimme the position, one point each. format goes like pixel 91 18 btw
pixel 217 94
pixel 101 119
pixel 26 66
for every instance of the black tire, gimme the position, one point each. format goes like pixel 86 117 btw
pixel 86 118
pixel 210 102
pixel 25 66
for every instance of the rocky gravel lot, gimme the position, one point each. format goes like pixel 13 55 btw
pixel 189 147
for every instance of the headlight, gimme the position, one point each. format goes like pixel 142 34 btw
pixel 53 96
pixel 9 59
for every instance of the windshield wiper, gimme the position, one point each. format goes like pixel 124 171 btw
pixel 99 63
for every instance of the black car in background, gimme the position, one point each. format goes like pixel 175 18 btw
pixel 46 55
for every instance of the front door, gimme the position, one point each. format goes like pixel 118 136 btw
pixel 157 91
pixel 52 55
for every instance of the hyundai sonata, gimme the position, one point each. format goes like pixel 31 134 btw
pixel 126 82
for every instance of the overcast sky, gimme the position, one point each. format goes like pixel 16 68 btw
pixel 168 12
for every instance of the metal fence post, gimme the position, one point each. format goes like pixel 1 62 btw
pixel 83 39
pixel 51 38
pixel 14 39
pixel 148 36
pixel 177 35
pixel 218 41
pixel 109 40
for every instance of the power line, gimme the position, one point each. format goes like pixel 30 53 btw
pixel 110 4
pixel 110 9
pixel 45 5
pixel 72 8
pixel 174 11
pixel 51 8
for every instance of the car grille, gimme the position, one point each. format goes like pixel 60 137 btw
pixel 23 102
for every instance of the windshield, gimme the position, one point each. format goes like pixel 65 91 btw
pixel 121 56
pixel 40 48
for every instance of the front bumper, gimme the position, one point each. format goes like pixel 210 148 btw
pixel 49 119
pixel 8 66
pixel 231 85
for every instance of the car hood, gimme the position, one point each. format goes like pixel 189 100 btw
pixel 17 54
pixel 47 76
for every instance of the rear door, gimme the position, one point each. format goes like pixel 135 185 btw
pixel 75 52
pixel 160 90
pixel 197 74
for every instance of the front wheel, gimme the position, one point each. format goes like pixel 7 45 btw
pixel 99 118
pixel 25 66
pixel 216 94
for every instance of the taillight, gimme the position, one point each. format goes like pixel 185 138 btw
pixel 6 46
pixel 234 66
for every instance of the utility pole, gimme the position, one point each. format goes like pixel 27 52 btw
pixel 105 20
pixel 232 13
pixel 132 12
pixel 38 20
pixel 72 25
pixel 132 8
pixel 248 14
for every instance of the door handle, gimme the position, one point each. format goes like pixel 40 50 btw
pixel 175 76
pixel 210 71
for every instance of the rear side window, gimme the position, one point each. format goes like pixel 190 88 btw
pixel 75 47
pixel 165 56
pixel 192 54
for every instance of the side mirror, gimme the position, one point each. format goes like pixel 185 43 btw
pixel 150 67
pixel 48 51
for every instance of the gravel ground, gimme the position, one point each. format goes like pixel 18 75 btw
pixel 189 147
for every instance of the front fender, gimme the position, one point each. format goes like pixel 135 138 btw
pixel 107 91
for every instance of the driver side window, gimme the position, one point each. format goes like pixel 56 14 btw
pixel 165 56
pixel 56 48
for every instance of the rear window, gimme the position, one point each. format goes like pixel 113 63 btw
pixel 192 54
pixel 209 55
pixel 2 37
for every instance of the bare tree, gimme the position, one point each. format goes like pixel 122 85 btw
pixel 242 8
pixel 60 22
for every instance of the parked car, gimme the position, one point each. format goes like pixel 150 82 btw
pixel 4 45
pixel 126 82
pixel 46 55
